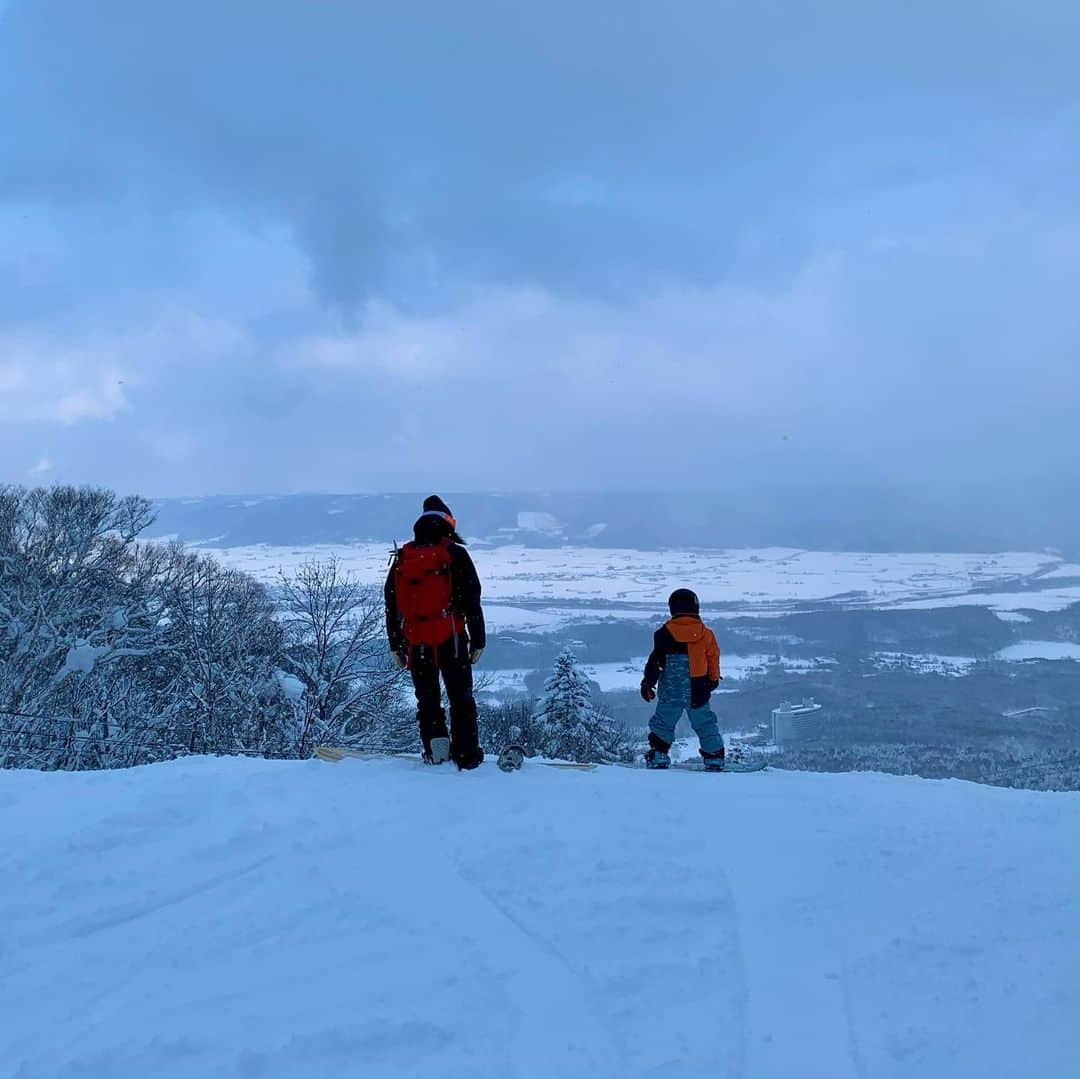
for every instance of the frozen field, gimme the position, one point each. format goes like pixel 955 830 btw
pixel 533 591
pixel 1024 650
pixel 622 676
pixel 541 590
pixel 232 918
pixel 626 676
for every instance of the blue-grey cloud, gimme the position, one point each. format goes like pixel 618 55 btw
pixel 287 245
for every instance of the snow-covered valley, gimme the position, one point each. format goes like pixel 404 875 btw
pixel 544 589
pixel 248 918
pixel 534 595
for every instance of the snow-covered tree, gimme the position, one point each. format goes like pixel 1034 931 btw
pixel 116 652
pixel 571 726
pixel 224 641
pixel 76 616
pixel 350 693
pixel 511 722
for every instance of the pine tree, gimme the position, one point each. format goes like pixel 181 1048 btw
pixel 570 726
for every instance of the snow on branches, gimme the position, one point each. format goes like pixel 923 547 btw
pixel 571 727
pixel 346 689
pixel 116 652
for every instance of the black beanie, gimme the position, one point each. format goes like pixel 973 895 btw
pixel 683 601
pixel 434 504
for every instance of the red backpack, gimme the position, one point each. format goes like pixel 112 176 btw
pixel 424 590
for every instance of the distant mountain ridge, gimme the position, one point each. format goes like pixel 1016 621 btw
pixel 822 520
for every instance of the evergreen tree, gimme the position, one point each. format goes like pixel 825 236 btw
pixel 570 726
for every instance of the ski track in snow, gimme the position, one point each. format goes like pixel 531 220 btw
pixel 219 917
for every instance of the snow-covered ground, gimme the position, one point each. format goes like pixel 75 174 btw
pixel 622 676
pixel 247 918
pixel 953 666
pixel 626 675
pixel 1023 650
pixel 550 591
pixel 531 588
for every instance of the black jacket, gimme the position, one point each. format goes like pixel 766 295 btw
pixel 433 528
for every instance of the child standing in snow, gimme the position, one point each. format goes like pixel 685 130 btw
pixel 685 661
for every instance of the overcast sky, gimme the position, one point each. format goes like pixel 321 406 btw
pixel 270 246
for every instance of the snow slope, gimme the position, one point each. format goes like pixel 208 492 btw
pixel 219 917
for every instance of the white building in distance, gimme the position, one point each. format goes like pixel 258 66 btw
pixel 792 722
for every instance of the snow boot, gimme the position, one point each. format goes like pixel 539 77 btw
pixel 439 753
pixel 714 762
pixel 658 755
pixel 469 759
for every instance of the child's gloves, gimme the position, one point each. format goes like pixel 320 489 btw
pixel 474 655
pixel 399 660
pixel 647 692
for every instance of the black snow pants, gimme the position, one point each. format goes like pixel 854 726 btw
pixel 452 662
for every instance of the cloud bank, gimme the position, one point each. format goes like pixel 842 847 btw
pixel 285 246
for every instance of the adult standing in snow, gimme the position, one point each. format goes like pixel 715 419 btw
pixel 435 626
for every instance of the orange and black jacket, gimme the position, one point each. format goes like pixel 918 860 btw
pixel 433 528
pixel 688 636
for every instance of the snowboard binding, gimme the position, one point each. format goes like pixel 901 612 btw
pixel 511 759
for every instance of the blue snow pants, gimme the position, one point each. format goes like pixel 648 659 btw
pixel 673 698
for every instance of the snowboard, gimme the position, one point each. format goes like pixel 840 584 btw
pixel 745 765
pixel 732 764
pixel 335 754
pixel 513 758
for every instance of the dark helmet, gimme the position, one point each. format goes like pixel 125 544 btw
pixel 683 601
